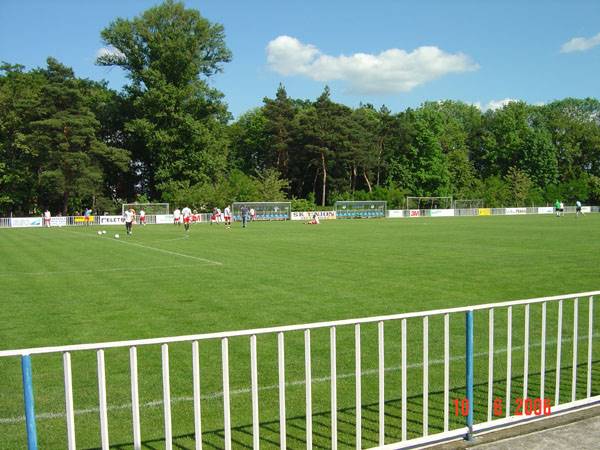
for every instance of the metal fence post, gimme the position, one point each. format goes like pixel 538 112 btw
pixel 469 372
pixel 29 403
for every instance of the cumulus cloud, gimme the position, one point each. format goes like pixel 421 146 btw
pixel 109 52
pixel 390 71
pixel 494 104
pixel 580 44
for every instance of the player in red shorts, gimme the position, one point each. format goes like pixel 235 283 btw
pixel 142 217
pixel 227 213
pixel 187 217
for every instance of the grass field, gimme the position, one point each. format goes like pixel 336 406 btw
pixel 69 285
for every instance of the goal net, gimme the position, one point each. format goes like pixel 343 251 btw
pixel 360 209
pixel 428 202
pixel 151 209
pixel 263 210
pixel 468 203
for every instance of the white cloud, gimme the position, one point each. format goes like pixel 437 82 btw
pixel 390 71
pixel 494 104
pixel 580 44
pixel 109 51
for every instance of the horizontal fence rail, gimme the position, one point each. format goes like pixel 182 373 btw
pixel 391 381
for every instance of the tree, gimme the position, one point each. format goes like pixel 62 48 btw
pixel 64 137
pixel 177 128
pixel 279 114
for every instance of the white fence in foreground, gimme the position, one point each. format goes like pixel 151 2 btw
pixel 538 403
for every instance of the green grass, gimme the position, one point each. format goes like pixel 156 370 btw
pixel 70 286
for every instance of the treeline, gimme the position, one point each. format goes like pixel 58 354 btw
pixel 68 143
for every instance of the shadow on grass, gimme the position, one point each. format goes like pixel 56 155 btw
pixel 241 436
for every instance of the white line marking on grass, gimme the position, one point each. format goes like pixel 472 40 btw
pixel 161 250
pixel 115 269
pixel 247 390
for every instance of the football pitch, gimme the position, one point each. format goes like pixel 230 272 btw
pixel 64 286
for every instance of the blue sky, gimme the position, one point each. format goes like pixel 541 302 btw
pixel 398 53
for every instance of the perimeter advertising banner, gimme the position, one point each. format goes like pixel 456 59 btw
pixel 415 213
pixel 484 211
pixel 81 219
pixel 441 212
pixel 546 210
pixel 164 219
pixel 59 221
pixel 515 211
pixel 395 213
pixel 307 215
pixel 110 220
pixel 23 222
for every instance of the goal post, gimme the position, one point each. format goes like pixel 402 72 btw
pixel 151 209
pixel 360 209
pixel 428 203
pixel 263 210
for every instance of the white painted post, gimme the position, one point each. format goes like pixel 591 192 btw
pixel 425 376
pixel 558 353
pixel 135 399
pixel 167 397
pixel 490 363
pixel 307 369
pixel 575 338
pixel 102 400
pixel 381 376
pixel 446 371
pixel 403 412
pixel 281 366
pixel 69 401
pixel 197 402
pixel 254 381
pixel 226 399
pixel 358 372
pixel 332 347
pixel 526 354
pixel 590 336
pixel 508 360
pixel 543 354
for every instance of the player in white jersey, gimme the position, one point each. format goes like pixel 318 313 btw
pixel 227 214
pixel 142 217
pixel 47 217
pixel 176 216
pixel 578 210
pixel 128 216
pixel 187 216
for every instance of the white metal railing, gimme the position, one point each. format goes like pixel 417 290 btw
pixel 488 419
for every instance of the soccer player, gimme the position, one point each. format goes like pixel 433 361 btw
pixel 87 216
pixel 47 218
pixel 252 214
pixel 557 208
pixel 177 216
pixel 142 217
pixel 315 220
pixel 578 208
pixel 562 209
pixel 227 213
pixel 245 215
pixel 219 215
pixel 187 216
pixel 128 216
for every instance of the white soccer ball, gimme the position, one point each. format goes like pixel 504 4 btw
pixel 103 231
pixel 99 233
pixel 116 236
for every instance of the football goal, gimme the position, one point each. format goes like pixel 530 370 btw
pixel 151 209
pixel 366 209
pixel 263 210
pixel 428 202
